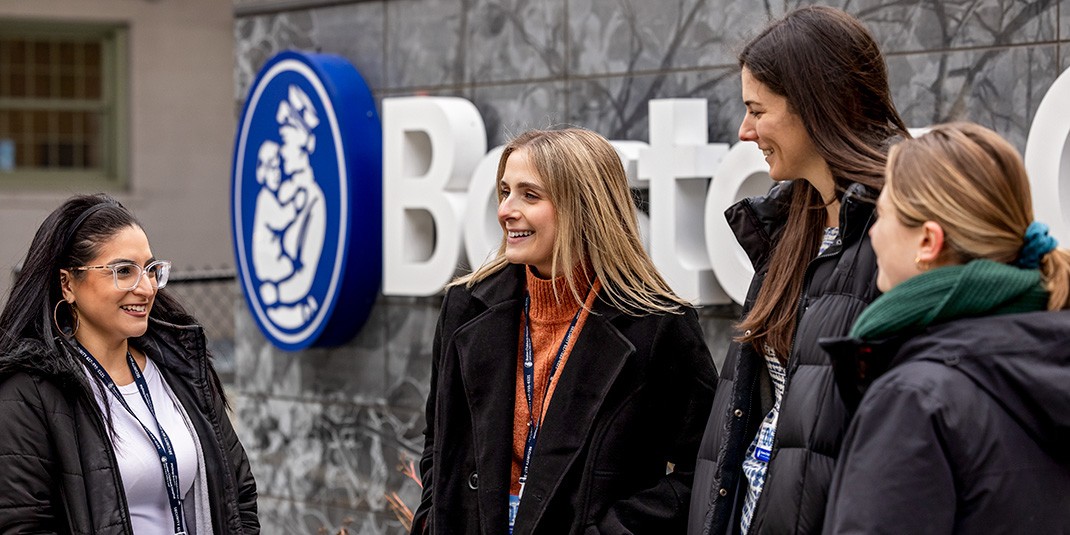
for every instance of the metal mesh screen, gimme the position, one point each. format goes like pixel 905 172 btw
pixel 209 294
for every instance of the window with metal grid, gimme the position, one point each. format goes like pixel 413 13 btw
pixel 61 113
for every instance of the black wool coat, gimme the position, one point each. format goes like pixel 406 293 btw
pixel 632 397
pixel 967 432
pixel 813 418
pixel 59 471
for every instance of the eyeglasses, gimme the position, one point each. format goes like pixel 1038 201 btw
pixel 127 275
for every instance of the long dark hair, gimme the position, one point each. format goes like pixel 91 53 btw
pixel 832 73
pixel 72 235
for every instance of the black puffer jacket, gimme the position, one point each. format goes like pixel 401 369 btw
pixel 813 419
pixel 59 470
pixel 968 432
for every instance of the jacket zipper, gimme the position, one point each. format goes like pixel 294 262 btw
pixel 792 357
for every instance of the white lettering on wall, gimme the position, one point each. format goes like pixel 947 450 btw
pixel 629 152
pixel 439 191
pixel 430 147
pixel 482 233
pixel 679 164
pixel 1047 158
pixel 742 173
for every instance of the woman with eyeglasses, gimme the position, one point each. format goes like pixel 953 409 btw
pixel 114 420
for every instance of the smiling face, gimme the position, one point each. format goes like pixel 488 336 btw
pixel 896 245
pixel 781 135
pixel 107 315
pixel 526 214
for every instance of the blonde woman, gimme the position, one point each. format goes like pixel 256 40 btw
pixel 569 385
pixel 965 428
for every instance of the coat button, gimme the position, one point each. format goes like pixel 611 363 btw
pixel 723 492
pixel 473 481
pixel 738 413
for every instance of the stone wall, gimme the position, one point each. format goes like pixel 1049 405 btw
pixel 327 430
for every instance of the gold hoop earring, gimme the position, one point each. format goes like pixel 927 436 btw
pixel 73 311
pixel 922 266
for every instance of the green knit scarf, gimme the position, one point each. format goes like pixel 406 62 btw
pixel 979 288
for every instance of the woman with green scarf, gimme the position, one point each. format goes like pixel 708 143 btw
pixel 961 370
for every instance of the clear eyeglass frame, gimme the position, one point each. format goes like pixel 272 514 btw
pixel 123 274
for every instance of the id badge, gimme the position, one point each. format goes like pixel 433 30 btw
pixel 514 504
pixel 762 454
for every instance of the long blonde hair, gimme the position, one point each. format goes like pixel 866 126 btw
pixel 972 183
pixel 596 221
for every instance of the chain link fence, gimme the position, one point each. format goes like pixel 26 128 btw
pixel 209 294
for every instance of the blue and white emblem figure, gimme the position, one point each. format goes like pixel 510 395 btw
pixel 290 217
pixel 306 197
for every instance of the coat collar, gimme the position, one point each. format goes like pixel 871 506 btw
pixel 857 363
pixel 178 348
pixel 757 221
pixel 1019 360
pixel 487 348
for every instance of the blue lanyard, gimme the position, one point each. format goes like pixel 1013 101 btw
pixel 164 449
pixel 529 383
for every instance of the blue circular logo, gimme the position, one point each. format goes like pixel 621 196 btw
pixel 306 195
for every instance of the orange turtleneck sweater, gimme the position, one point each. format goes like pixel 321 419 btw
pixel 549 323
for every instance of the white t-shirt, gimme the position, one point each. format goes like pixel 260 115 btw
pixel 139 464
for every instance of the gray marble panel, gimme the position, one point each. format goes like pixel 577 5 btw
pixel 717 329
pixel 258 7
pixel 942 24
pixel 354 372
pixel 612 37
pixel 998 88
pixel 410 331
pixel 509 110
pixel 334 454
pixel 1064 20
pixel 300 518
pixel 356 32
pixel 617 107
pixel 256 39
pixel 353 31
pixel 456 91
pixel 426 42
pixel 1064 56
pixel 239 4
pixel 512 40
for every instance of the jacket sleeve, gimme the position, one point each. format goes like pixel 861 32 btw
pixel 421 517
pixel 691 379
pixel 26 497
pixel 893 475
pixel 243 475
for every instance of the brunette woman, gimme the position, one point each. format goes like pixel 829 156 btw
pixel 816 91
pixel 114 419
